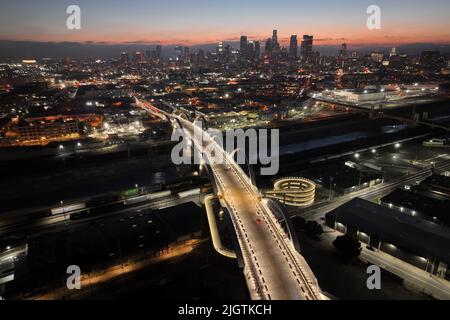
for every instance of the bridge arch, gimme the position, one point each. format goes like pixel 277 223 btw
pixel 285 222
pixel 184 115
pixel 203 119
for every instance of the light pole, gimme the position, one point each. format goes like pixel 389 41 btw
pixel 360 178
pixel 62 208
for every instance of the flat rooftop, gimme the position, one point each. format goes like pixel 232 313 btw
pixel 415 200
pixel 439 182
pixel 418 236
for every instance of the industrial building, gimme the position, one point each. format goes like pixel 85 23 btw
pixel 47 131
pixel 418 242
pixel 422 204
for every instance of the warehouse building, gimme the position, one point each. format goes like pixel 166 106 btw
pixel 421 243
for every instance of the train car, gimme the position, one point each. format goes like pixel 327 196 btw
pixel 158 195
pixel 68 208
pixel 102 200
pixel 189 193
pixel 135 200
pixel 80 215
pixel 7 269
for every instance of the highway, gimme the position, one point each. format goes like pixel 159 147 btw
pixel 274 270
pixel 366 107
pixel 318 211
pixel 61 221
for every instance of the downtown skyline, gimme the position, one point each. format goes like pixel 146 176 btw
pixel 182 22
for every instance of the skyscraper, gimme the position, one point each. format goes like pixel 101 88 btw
pixel 151 55
pixel 139 57
pixel 293 47
pixel 178 52
pixel 243 46
pixel 268 47
pixel 227 53
pixel 125 58
pixel 220 48
pixel 159 52
pixel 220 51
pixel 431 59
pixel 275 44
pixel 257 50
pixel 186 56
pixel 393 52
pixel 343 53
pixel 307 46
pixel 250 49
pixel 200 56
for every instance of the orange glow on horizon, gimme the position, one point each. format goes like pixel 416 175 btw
pixel 322 36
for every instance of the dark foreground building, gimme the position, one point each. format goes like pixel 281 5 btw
pixel 421 243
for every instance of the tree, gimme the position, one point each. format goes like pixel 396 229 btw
pixel 299 223
pixel 349 246
pixel 313 228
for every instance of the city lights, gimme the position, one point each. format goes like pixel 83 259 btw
pixel 277 159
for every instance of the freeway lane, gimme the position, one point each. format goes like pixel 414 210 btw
pixel 58 222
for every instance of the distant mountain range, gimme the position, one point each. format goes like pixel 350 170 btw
pixel 38 50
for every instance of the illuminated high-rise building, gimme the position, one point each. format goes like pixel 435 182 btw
pixel 178 52
pixel 275 43
pixel 159 52
pixel 257 50
pixel 268 47
pixel 431 58
pixel 227 53
pixel 186 56
pixel 293 47
pixel 220 48
pixel 243 46
pixel 307 46
pixel 200 56
pixel 377 56
pixel 139 57
pixel 151 54
pixel 250 49
pixel 393 52
pixel 343 53
pixel 125 58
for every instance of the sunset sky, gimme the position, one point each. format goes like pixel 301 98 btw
pixel 208 21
